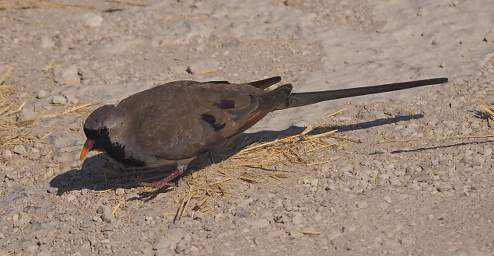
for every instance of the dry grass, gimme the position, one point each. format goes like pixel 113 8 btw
pixel 11 132
pixel 258 163
pixel 79 109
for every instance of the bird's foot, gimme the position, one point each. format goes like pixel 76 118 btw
pixel 161 185
pixel 167 181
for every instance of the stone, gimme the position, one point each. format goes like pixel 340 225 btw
pixel 27 114
pixel 59 100
pixel 72 99
pixel 298 219
pixel 7 154
pixel 106 213
pixel 387 199
pixel 178 69
pixel 92 20
pixel 119 191
pixel 259 223
pixel 51 190
pixel 311 182
pixel 20 149
pixel 489 37
pixel 242 212
pixel 41 94
pixel 47 42
pixel 107 228
pixel 34 153
pixel 67 76
pixel 361 204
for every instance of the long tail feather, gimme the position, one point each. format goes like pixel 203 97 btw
pixel 307 98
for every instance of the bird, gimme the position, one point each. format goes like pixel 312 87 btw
pixel 175 122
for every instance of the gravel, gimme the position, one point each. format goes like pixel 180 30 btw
pixel 398 157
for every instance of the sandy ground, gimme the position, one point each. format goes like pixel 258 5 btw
pixel 408 173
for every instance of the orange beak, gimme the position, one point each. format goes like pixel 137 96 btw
pixel 87 147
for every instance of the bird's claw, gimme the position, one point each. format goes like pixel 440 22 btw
pixel 160 185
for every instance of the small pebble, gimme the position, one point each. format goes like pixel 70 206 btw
pixel 119 191
pixel 106 213
pixel 242 212
pixel 67 76
pixel 41 94
pixel 148 218
pixel 51 190
pixel 387 199
pixel 20 149
pixel 7 153
pixel 489 37
pixel 487 151
pixel 47 42
pixel 92 20
pixel 34 153
pixel 178 68
pixel 72 99
pixel 59 100
pixel 298 219
pixel 312 182
pixel 259 223
pixel 107 228
pixel 362 204
pixel 27 114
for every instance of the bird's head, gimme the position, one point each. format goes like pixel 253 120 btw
pixel 98 126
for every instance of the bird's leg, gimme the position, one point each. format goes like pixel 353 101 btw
pixel 168 180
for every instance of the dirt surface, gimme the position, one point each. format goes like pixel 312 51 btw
pixel 407 173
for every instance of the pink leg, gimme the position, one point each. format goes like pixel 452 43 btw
pixel 168 180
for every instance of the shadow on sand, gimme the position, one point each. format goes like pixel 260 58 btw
pixel 98 172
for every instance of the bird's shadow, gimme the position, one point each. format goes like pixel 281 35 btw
pixel 100 173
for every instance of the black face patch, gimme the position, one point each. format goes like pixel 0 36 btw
pixel 226 104
pixel 210 119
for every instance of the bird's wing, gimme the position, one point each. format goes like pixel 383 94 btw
pixel 179 121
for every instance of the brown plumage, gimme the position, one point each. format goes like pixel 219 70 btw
pixel 177 121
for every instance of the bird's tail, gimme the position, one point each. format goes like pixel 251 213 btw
pixel 307 98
